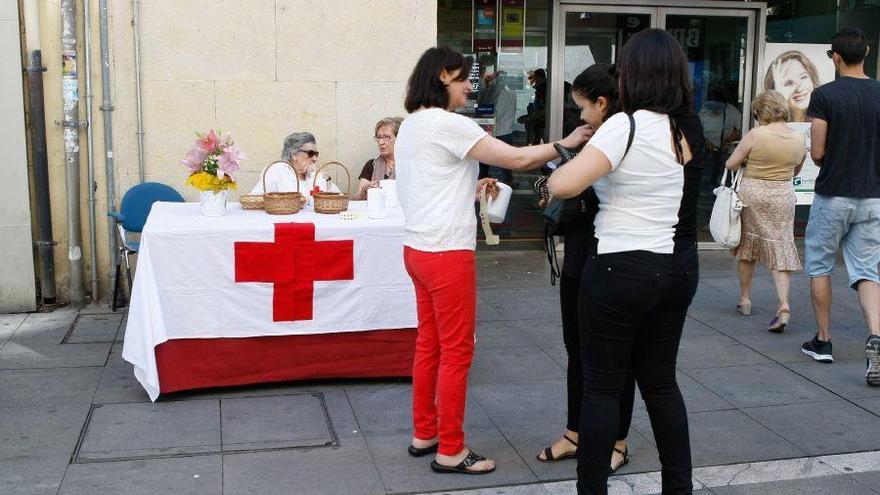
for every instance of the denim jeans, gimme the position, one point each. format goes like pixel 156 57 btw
pixel 633 306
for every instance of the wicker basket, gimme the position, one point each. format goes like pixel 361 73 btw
pixel 251 201
pixel 330 202
pixel 282 203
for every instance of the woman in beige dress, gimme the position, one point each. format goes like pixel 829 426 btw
pixel 772 153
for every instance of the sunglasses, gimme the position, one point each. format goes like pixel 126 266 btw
pixel 830 53
pixel 311 153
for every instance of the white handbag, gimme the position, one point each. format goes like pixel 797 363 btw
pixel 724 224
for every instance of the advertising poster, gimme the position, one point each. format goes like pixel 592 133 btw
pixel 796 70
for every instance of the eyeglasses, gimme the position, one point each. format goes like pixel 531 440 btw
pixel 383 139
pixel 830 53
pixel 311 153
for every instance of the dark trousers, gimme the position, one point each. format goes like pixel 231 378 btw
pixel 633 306
pixel 569 288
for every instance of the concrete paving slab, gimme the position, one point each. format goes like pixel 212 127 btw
pixel 727 437
pixel 383 410
pixel 505 333
pixel 760 385
pixel 43 431
pixel 33 475
pixel 45 328
pixel 831 485
pixel 118 383
pixel 714 351
pixel 871 480
pixel 822 428
pixel 199 475
pixel 16 355
pixel 92 328
pixel 9 323
pixel 48 387
pixel 348 469
pixel 522 302
pixel 274 422
pixel 844 377
pixel 131 431
pixel 523 404
pixel 402 473
pixel 513 364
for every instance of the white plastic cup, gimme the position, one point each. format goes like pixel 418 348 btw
pixel 497 206
pixel 377 203
pixel 390 187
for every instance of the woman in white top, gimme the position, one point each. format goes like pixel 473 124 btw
pixel 639 285
pixel 437 153
pixel 300 152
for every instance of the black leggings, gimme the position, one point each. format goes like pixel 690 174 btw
pixel 569 288
pixel 633 306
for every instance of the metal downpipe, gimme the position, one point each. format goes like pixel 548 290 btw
pixel 136 24
pixel 37 115
pixel 107 109
pixel 70 128
pixel 90 143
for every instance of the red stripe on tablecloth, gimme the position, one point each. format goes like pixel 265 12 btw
pixel 186 364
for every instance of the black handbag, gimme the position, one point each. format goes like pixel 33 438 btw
pixel 561 215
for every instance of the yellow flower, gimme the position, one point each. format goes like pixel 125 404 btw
pixel 203 181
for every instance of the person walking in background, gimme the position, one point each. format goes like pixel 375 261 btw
pixel 845 134
pixel 773 154
pixel 636 290
pixel 595 91
pixel 437 153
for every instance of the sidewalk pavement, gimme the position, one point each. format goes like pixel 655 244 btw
pixel 764 418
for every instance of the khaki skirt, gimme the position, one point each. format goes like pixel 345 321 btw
pixel 768 224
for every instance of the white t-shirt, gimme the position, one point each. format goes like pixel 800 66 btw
pixel 640 199
pixel 281 178
pixel 436 181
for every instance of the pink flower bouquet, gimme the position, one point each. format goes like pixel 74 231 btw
pixel 213 161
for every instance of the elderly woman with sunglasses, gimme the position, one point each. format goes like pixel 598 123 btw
pixel 300 151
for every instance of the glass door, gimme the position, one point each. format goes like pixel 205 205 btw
pixel 719 44
pixel 589 34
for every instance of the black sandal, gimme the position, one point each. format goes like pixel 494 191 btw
pixel 423 451
pixel 625 454
pixel 548 453
pixel 462 467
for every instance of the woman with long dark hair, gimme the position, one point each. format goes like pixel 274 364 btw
pixel 437 153
pixel 638 286
pixel 595 92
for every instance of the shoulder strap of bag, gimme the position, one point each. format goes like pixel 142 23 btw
pixel 632 134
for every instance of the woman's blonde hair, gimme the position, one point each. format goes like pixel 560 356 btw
pixel 392 122
pixel 769 107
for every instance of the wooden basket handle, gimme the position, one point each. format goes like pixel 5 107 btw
pixel 266 169
pixel 318 172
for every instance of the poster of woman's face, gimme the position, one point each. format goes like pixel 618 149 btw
pixel 795 70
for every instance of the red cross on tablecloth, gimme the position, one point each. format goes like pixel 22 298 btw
pixel 293 263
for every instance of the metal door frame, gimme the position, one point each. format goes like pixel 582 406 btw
pixel 754 12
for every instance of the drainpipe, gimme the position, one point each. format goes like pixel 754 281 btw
pixel 70 128
pixel 136 22
pixel 37 115
pixel 107 109
pixel 90 143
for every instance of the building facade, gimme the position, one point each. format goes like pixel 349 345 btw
pixel 261 69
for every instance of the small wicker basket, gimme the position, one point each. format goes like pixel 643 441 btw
pixel 251 201
pixel 330 202
pixel 282 203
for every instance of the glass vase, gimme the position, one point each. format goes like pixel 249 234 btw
pixel 213 204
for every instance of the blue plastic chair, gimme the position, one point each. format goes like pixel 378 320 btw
pixel 131 217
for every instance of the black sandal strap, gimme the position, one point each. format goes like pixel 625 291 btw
pixel 570 440
pixel 471 459
pixel 548 454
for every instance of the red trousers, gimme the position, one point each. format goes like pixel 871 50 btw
pixel 446 294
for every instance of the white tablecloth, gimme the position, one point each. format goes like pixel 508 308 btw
pixel 185 285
